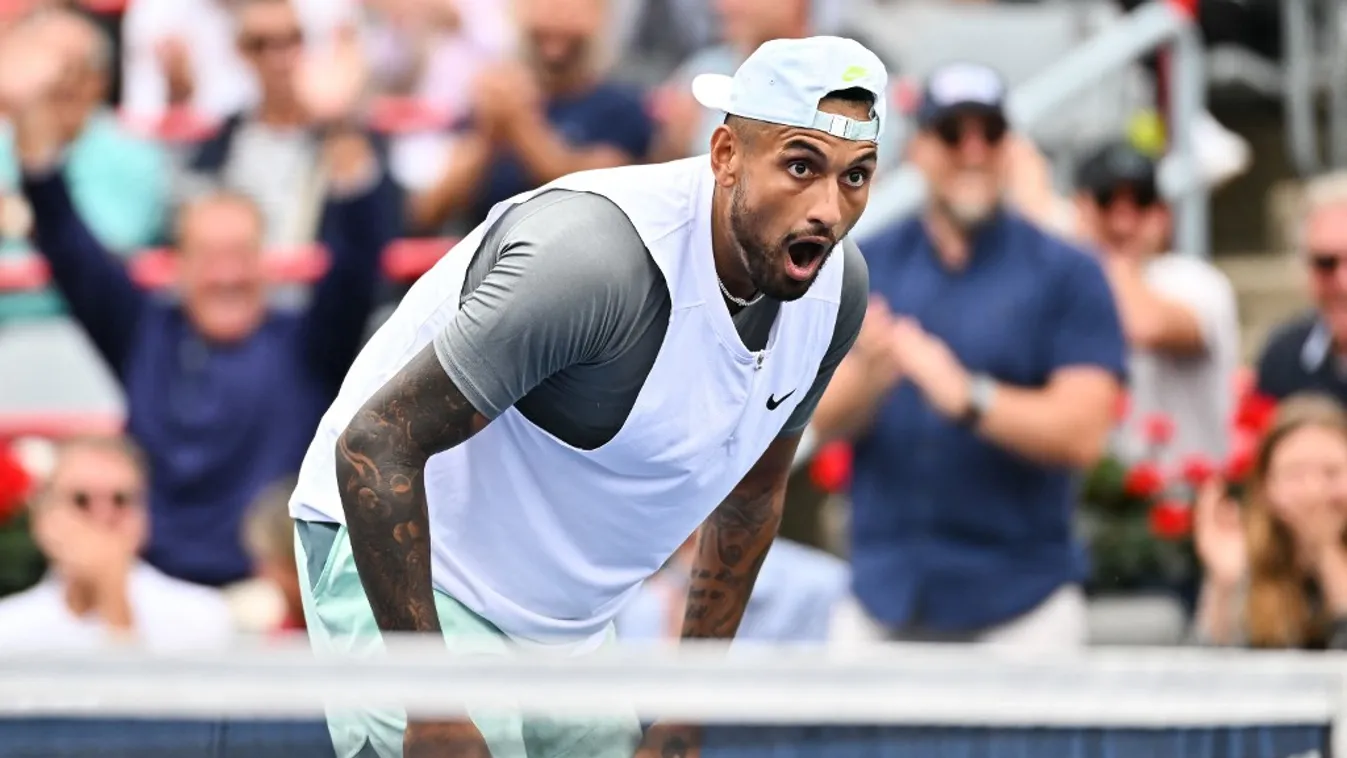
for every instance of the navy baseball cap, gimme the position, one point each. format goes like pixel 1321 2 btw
pixel 961 88
pixel 1117 164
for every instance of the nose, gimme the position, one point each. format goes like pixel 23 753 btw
pixel 973 145
pixel 825 210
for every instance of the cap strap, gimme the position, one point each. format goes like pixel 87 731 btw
pixel 847 128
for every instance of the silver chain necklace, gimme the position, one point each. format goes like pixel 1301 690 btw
pixel 736 300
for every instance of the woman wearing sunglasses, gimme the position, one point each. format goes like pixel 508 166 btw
pixel 90 522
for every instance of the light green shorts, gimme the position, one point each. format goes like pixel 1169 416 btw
pixel 339 620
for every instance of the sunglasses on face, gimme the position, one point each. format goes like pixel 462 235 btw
pixel 84 499
pixel 257 44
pixel 1325 264
pixel 952 131
pixel 1143 196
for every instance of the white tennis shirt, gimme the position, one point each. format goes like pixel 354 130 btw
pixel 548 541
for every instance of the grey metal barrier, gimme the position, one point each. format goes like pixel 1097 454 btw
pixel 1140 32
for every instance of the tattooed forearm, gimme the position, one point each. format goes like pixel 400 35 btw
pixel 381 460
pixel 731 547
pixel 732 544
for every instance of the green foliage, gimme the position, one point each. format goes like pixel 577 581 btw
pixel 21 564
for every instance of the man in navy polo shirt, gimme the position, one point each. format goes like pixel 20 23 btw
pixel 985 379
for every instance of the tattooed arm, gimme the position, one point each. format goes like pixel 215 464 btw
pixel 381 459
pixel 731 546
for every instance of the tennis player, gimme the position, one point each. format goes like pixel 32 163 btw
pixel 603 366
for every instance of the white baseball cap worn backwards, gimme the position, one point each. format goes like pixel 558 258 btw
pixel 783 82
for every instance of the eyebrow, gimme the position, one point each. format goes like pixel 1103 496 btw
pixel 870 156
pixel 797 143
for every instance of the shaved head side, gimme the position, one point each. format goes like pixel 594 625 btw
pixel 749 132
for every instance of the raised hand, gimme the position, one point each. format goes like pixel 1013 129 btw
pixel 329 84
pixel 30 67
pixel 175 61
pixel 1219 536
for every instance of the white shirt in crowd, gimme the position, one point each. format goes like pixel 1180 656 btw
pixel 224 83
pixel 1196 392
pixel 170 615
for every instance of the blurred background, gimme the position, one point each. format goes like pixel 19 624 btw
pixel 207 205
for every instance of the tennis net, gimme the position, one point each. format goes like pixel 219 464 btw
pixel 892 702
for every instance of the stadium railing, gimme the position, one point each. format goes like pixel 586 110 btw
pixel 887 702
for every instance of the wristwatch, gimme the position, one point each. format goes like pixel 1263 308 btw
pixel 981 392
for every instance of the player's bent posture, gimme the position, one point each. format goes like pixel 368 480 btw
pixel 603 366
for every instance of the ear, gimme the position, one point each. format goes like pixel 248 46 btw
pixel 727 156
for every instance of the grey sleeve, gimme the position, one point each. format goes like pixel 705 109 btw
pixel 566 273
pixel 850 314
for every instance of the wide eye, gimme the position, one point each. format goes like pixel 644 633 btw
pixel 856 178
pixel 799 169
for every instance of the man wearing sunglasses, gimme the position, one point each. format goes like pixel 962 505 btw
pixel 987 371
pixel 1307 352
pixel 1178 311
pixel 90 522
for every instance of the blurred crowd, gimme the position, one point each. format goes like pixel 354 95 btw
pixel 1024 324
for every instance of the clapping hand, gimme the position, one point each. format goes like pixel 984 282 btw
pixel 932 366
pixel 505 97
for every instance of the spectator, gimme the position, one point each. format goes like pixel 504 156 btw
pixel 985 376
pixel 182 53
pixel 1307 353
pixel 538 120
pixel 222 393
pixel 269 535
pixel 433 50
pixel 1178 311
pixel 117 180
pixel 89 522
pixel 272 154
pixel 1275 574
pixel 798 589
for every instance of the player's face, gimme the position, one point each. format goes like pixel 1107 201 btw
pixel 798 193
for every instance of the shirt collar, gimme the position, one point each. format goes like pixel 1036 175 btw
pixel 1317 348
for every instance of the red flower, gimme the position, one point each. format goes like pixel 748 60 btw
pixel 1255 413
pixel 1144 481
pixel 831 468
pixel 1197 469
pixel 1158 428
pixel 14 485
pixel 1243 448
pixel 1171 520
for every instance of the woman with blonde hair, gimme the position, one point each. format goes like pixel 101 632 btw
pixel 1276 569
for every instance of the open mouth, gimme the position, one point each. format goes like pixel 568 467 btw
pixel 803 258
